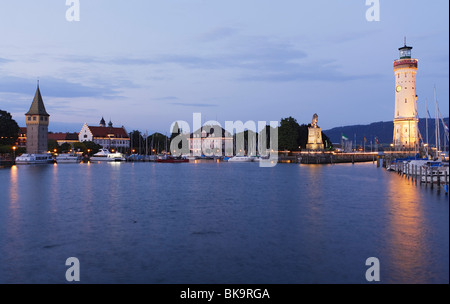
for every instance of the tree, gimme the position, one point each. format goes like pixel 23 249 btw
pixel 85 146
pixel 303 136
pixel 53 145
pixel 137 141
pixel 92 147
pixel 9 129
pixel 65 147
pixel 79 147
pixel 158 143
pixel 288 134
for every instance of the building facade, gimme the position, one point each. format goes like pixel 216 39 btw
pixel 37 120
pixel 406 133
pixel 108 137
pixel 210 141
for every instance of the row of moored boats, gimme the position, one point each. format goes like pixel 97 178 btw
pixel 104 155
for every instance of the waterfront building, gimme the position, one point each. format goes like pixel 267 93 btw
pixel 37 120
pixel 107 136
pixel 210 140
pixel 22 138
pixel 406 136
pixel 59 137
pixel 63 138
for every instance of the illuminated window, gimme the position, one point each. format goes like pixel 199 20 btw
pixel 406 100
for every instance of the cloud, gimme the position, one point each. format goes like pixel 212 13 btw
pixel 253 58
pixel 218 34
pixel 299 72
pixel 166 98
pixel 54 87
pixel 193 104
pixel 4 60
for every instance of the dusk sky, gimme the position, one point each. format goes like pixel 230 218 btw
pixel 146 63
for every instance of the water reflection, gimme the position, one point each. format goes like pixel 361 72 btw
pixel 14 188
pixel 405 233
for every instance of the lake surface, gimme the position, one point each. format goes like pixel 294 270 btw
pixel 219 223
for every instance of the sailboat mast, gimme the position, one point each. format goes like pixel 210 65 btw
pixel 426 125
pixel 438 139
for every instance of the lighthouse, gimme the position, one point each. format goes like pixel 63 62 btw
pixel 406 133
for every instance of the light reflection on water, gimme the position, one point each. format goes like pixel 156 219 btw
pixel 219 223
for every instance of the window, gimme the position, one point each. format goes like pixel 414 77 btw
pixel 29 118
pixel 85 136
pixel 42 118
pixel 34 118
pixel 406 100
pixel 46 118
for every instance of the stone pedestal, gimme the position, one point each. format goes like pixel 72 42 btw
pixel 314 139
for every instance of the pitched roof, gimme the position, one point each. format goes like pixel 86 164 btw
pixel 209 130
pixel 105 131
pixel 63 136
pixel 37 106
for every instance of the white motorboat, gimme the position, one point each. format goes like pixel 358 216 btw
pixel 68 158
pixel 105 155
pixel 32 159
pixel 241 159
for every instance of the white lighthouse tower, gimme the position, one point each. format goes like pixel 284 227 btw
pixel 406 133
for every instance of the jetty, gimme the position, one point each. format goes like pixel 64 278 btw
pixel 325 157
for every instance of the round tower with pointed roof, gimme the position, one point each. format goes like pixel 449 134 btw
pixel 37 120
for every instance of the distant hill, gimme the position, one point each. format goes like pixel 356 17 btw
pixel 384 130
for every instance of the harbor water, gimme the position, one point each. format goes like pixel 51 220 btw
pixel 219 223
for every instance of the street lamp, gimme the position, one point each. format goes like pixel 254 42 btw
pixel 14 151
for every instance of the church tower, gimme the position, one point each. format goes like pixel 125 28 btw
pixel 406 133
pixel 37 120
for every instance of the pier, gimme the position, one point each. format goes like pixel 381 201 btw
pixel 428 172
pixel 325 157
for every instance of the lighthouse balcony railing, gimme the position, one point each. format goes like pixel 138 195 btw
pixel 405 61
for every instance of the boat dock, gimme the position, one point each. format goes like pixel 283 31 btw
pixel 427 172
pixel 310 158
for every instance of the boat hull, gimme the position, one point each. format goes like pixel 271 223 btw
pixel 240 159
pixel 34 159
pixel 172 160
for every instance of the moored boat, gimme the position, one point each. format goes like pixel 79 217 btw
pixel 105 155
pixel 171 159
pixel 242 159
pixel 68 158
pixel 33 159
